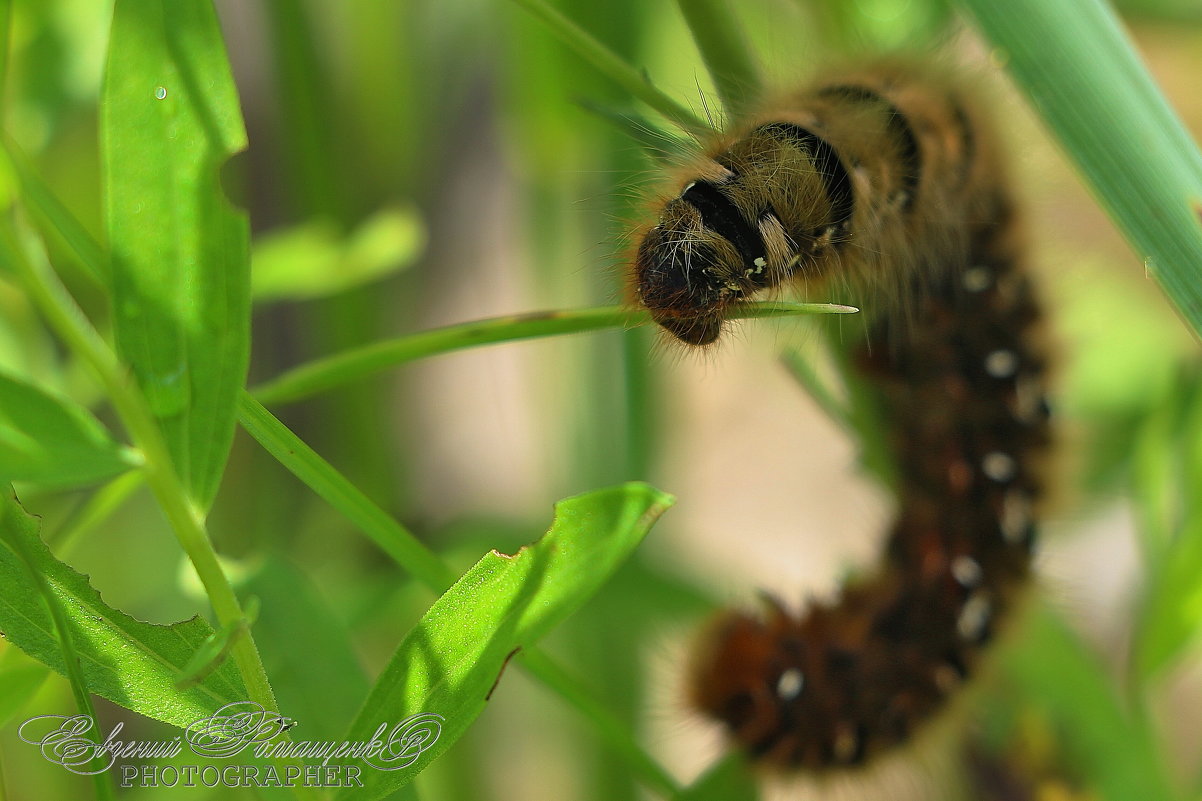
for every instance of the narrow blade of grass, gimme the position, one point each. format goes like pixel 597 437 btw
pixel 1084 78
pixel 612 66
pixel 322 478
pixel 719 37
pixel 332 371
pixel 53 218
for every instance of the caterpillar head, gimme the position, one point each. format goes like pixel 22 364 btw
pixel 699 259
pixel 683 277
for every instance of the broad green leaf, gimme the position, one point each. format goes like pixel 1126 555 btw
pixel 451 661
pixel 313 260
pixel 131 663
pixel 180 252
pixel 52 441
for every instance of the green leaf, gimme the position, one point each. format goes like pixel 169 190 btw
pixel 131 663
pixel 295 623
pixel 313 260
pixel 1054 669
pixel 53 441
pixel 20 679
pixel 1170 617
pixel 451 661
pixel 1083 76
pixel 1165 475
pixel 729 778
pixel 180 253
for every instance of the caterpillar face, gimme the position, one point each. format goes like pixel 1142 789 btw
pixel 738 229
pixel 881 181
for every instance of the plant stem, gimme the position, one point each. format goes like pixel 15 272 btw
pixel 186 520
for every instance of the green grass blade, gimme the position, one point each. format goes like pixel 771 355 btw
pixel 1084 78
pixel 612 66
pixel 332 371
pixel 52 216
pixel 54 441
pixel 292 452
pixel 129 662
pixel 719 37
pixel 180 252
pixel 450 663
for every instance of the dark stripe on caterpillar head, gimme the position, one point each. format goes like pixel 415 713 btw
pixel 721 215
pixel 959 382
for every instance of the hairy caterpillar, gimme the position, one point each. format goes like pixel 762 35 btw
pixel 885 181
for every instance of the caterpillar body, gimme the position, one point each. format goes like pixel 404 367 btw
pixel 884 181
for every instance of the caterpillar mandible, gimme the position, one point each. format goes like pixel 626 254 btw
pixel 885 182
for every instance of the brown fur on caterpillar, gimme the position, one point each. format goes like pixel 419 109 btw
pixel 884 181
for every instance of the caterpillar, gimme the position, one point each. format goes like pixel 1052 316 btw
pixel 882 183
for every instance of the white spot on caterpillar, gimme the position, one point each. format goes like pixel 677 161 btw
pixel 999 466
pixel 687 187
pixel 760 262
pixel 1016 517
pixel 1001 363
pixel 974 617
pixel 977 279
pixel 790 684
pixel 966 571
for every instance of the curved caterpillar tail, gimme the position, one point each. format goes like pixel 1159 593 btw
pixel 884 181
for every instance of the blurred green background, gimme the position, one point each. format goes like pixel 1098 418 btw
pixel 424 162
